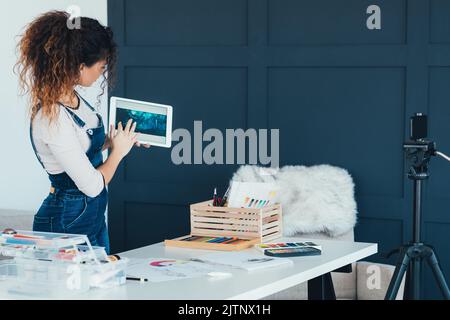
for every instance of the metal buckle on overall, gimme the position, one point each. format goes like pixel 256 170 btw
pixel 52 190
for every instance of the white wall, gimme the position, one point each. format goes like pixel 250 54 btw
pixel 23 182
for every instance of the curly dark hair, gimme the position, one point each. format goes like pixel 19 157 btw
pixel 51 53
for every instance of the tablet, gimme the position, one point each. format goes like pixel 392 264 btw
pixel 153 120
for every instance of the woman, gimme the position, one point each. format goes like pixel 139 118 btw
pixel 66 132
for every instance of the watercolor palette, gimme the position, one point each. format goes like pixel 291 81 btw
pixel 286 245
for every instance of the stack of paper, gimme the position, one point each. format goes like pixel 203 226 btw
pixel 245 260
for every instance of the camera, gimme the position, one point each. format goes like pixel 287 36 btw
pixel 419 150
pixel 418 127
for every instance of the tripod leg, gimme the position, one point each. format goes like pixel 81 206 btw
pixel 438 275
pixel 416 264
pixel 397 277
pixel 407 295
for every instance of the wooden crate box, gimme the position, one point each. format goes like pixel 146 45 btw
pixel 251 225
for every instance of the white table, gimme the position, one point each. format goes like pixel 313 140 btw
pixel 241 285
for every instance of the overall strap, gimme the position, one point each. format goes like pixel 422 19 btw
pixel 76 118
pixel 99 116
pixel 87 103
pixel 78 121
pixel 34 146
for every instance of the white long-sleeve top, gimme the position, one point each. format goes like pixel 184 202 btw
pixel 62 146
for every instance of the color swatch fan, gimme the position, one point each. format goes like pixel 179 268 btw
pixel 252 194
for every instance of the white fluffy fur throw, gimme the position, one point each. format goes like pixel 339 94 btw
pixel 314 199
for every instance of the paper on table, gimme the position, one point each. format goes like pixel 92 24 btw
pixel 252 194
pixel 164 269
pixel 245 260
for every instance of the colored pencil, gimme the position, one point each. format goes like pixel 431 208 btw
pixel 230 240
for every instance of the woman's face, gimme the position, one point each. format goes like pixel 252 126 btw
pixel 88 75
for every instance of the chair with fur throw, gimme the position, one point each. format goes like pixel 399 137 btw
pixel 318 202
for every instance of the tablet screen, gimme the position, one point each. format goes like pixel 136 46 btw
pixel 150 120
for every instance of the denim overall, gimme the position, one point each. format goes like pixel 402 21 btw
pixel 66 209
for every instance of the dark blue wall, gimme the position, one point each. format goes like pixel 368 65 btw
pixel 339 93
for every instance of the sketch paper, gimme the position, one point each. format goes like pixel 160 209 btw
pixel 164 269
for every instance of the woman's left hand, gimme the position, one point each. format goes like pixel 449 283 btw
pixel 107 143
pixel 145 145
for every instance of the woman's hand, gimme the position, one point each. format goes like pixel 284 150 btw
pixel 123 139
pixel 145 145
pixel 107 143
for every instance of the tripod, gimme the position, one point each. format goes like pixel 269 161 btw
pixel 412 254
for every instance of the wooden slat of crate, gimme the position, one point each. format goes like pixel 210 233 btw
pixel 273 211
pixel 218 228
pixel 271 219
pixel 225 214
pixel 227 211
pixel 198 225
pixel 216 220
pixel 270 225
pixel 271 207
pixel 215 233
pixel 236 219
pixel 250 222
pixel 206 208
pixel 271 230
pixel 269 238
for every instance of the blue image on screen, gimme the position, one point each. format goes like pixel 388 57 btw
pixel 146 122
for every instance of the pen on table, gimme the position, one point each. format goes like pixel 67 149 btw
pixel 137 279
